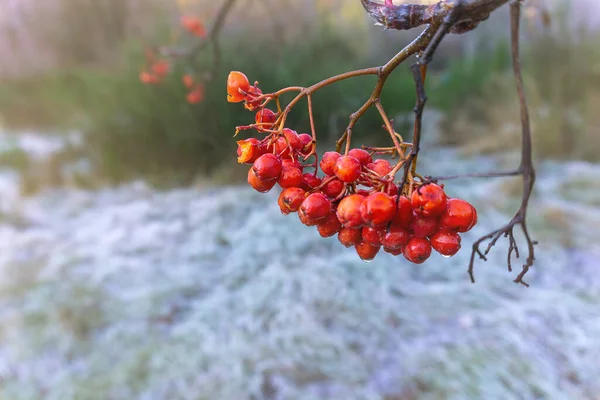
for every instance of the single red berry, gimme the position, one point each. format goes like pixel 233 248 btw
pixel 459 216
pixel 417 250
pixel 193 25
pixel 330 225
pixel 310 181
pixel 266 117
pixel 196 95
pixel 315 207
pixel 366 251
pixel 267 167
pixel 248 150
pixel 394 252
pixel 361 155
pixel 282 148
pixel 395 238
pixel 292 139
pixel 348 211
pixel 333 188
pixel 160 68
pixel 347 169
pixel 307 145
pixel 349 236
pixel 188 81
pixel 292 199
pixel 307 221
pixel 378 209
pixel 258 184
pixel 380 166
pixel 391 188
pixel 404 214
pixel 371 235
pixel 429 200
pixel 148 78
pixel 290 177
pixel 237 83
pixel 328 162
pixel 446 242
pixel 423 226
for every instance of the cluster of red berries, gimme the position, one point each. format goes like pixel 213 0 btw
pixel 355 197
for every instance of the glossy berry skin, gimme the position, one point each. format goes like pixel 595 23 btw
pixel 267 167
pixel 329 226
pixel 258 184
pixel 394 252
pixel 446 242
pixel 309 181
pixel 292 199
pixel 306 141
pixel 315 207
pixel 290 177
pixel 248 150
pixel 378 209
pixel 288 162
pixel 237 83
pixel 347 169
pixel 292 138
pixel 333 188
pixel 366 251
pixel 348 211
pixel 429 200
pixel 380 166
pixel 395 238
pixel 349 236
pixel 371 235
pixel 391 188
pixel 328 161
pixel 265 116
pixel 417 250
pixel 361 155
pixel 404 214
pixel 459 216
pixel 423 227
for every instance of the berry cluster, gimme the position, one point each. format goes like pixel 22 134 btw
pixel 350 195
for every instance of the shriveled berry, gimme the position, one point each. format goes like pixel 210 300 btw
pixel 248 150
pixel 310 181
pixel 348 211
pixel 429 200
pixel 446 242
pixel 315 207
pixel 347 169
pixel 371 235
pixel 366 251
pixel 404 213
pixel 363 156
pixel 266 117
pixel 267 167
pixel 378 209
pixel 292 198
pixel 290 177
pixel 328 161
pixel 459 216
pixel 417 250
pixel 423 227
pixel 395 238
pixel 333 188
pixel 380 166
pixel 258 184
pixel 329 226
pixel 349 236
pixel 237 82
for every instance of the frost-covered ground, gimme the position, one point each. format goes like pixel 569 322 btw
pixel 128 293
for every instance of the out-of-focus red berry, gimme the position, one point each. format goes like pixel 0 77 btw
pixel 417 250
pixel 193 26
pixel 446 242
pixel 347 169
pixel 459 216
pixel 160 68
pixel 148 78
pixel 429 200
pixel 188 81
pixel 196 95
pixel 378 209
pixel 348 211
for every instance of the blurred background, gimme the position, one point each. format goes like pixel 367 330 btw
pixel 135 263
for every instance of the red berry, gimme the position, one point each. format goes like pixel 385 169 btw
pixel 196 95
pixel 371 235
pixel 333 188
pixel 446 242
pixel 429 200
pixel 292 199
pixel 329 226
pixel 188 81
pixel 252 103
pixel 394 252
pixel 361 155
pixel 404 213
pixel 290 177
pixel 459 216
pixel 309 181
pixel 248 150
pixel 267 167
pixel 237 83
pixel 366 251
pixel 417 250
pixel 258 184
pixel 391 188
pixel 395 239
pixel 306 139
pixel 347 169
pixel 315 207
pixel 349 236
pixel 193 25
pixel 380 166
pixel 328 162
pixel 292 139
pixel 160 68
pixel 307 221
pixel 348 211
pixel 148 78
pixel 378 209
pixel 288 162
pixel 423 227
pixel 266 117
